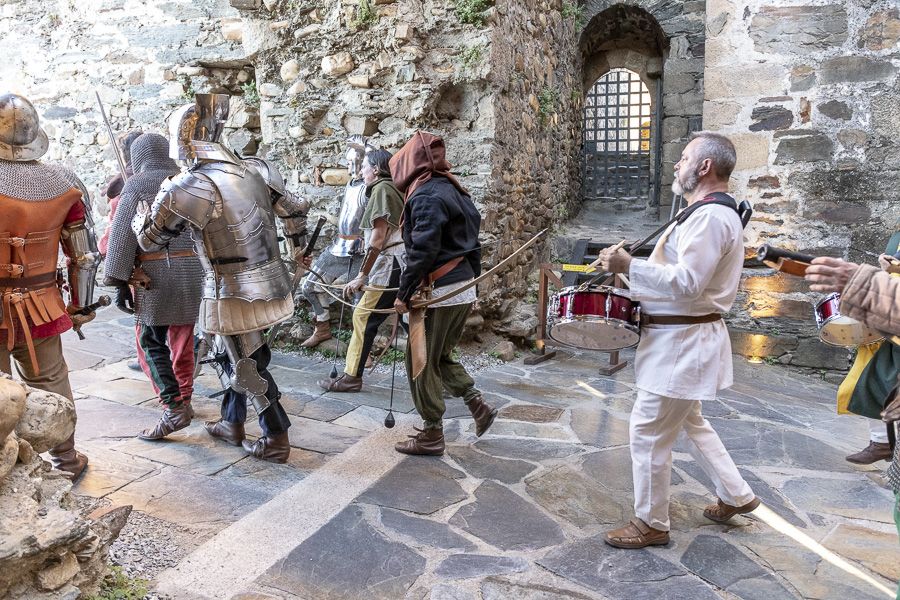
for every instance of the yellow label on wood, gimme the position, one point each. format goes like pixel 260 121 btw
pixel 578 268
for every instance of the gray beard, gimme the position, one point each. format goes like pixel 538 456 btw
pixel 680 189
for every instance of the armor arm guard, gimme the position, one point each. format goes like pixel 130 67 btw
pixel 291 210
pixel 182 200
pixel 80 245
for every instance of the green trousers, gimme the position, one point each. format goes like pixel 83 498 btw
pixel 443 328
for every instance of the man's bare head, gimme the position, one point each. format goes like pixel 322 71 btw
pixel 708 156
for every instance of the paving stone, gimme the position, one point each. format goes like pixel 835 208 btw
pixel 876 550
pixel 531 413
pixel 366 418
pixel 505 520
pixel 483 466
pixel 610 468
pixel 446 591
pixel 750 406
pixel 347 559
pixel 854 498
pixel 632 574
pixel 607 386
pixel 464 566
pixel 598 427
pixel 769 496
pixel 499 589
pixel 272 477
pixel 533 392
pixel 110 471
pixel 417 484
pixel 425 531
pixel 722 564
pixel 78 360
pixel 318 436
pixel 530 449
pixel 191 449
pixel 188 499
pixel 123 391
pixel 102 419
pixel 551 431
pixel 582 501
pixel 325 409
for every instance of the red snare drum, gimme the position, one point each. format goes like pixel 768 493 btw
pixel 837 330
pixel 602 318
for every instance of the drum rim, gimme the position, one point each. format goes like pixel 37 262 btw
pixel 631 328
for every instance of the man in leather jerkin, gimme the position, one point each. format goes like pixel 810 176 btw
pixel 42 207
pixel 165 312
pixel 231 207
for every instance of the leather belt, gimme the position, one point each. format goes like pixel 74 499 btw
pixel 679 319
pixel 34 282
pixel 444 269
pixel 150 256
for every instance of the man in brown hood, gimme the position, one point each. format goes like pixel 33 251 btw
pixel 440 231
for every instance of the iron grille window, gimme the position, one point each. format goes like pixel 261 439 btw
pixel 617 127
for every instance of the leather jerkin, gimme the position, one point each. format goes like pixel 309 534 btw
pixel 29 244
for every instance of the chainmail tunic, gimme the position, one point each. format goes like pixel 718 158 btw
pixel 893 472
pixel 175 287
pixel 33 180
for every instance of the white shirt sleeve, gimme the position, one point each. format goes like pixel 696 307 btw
pixel 701 243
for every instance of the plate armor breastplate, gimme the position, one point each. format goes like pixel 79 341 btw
pixel 349 235
pixel 239 246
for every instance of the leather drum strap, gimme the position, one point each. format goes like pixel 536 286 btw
pixel 679 319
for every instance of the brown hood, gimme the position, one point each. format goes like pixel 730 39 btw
pixel 423 156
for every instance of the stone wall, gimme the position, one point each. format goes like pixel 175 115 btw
pixel 809 92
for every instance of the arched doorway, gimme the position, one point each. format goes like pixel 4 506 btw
pixel 618 142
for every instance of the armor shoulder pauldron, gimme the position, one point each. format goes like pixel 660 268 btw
pixel 190 195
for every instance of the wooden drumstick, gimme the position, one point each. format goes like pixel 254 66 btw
pixel 611 249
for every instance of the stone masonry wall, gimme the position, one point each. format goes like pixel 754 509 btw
pixel 810 94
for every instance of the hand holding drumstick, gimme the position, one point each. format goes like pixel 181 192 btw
pixel 614 259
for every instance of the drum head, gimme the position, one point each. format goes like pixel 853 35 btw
pixel 847 333
pixel 595 334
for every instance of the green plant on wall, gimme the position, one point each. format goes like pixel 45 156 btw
pixel 470 57
pixel 365 15
pixel 189 91
pixel 574 10
pixel 251 94
pixel 547 101
pixel 471 12
pixel 119 586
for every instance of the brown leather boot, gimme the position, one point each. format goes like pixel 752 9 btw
pixel 321 333
pixel 428 442
pixel 233 433
pixel 67 459
pixel 872 453
pixel 483 414
pixel 172 419
pixel 343 383
pixel 274 448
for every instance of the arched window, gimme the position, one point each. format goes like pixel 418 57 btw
pixel 617 141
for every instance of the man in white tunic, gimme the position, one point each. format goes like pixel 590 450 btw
pixel 684 356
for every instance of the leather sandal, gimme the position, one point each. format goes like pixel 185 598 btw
pixel 721 512
pixel 636 534
pixel 172 420
pixel 483 414
pixel 274 448
pixel 428 442
pixel 232 433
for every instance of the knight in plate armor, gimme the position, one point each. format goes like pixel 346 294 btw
pixel 42 207
pixel 166 285
pixel 231 211
pixel 336 265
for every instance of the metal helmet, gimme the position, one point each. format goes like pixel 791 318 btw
pixel 357 148
pixel 21 136
pixel 202 121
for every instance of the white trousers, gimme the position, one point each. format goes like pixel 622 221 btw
pixel 878 431
pixel 655 424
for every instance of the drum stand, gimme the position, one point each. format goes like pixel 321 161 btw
pixel 547 276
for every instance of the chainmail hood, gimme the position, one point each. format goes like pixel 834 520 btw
pixel 150 152
pixel 32 180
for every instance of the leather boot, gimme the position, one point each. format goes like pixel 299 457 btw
pixel 344 383
pixel 483 414
pixel 274 448
pixel 872 453
pixel 233 433
pixel 428 442
pixel 67 459
pixel 321 333
pixel 172 419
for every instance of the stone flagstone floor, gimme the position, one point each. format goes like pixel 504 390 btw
pixel 519 513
